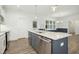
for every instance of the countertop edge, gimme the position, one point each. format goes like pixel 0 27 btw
pixel 50 37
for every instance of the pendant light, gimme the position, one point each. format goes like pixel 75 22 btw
pixel 53 8
pixel 35 16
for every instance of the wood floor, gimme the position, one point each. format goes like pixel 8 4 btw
pixel 73 44
pixel 20 46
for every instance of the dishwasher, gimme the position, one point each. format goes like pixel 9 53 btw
pixel 45 45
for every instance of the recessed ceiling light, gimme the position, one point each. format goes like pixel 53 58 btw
pixel 36 17
pixel 57 22
pixel 61 21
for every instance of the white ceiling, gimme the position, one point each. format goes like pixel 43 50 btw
pixel 44 10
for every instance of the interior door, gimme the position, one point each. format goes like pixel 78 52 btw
pixel 71 26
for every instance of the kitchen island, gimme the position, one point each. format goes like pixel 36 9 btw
pixel 45 42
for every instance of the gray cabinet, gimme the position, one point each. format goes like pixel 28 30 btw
pixel 30 38
pixel 40 44
pixel 44 45
pixel 34 41
pixel 60 46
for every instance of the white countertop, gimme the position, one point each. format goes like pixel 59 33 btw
pixel 1 33
pixel 3 29
pixel 51 35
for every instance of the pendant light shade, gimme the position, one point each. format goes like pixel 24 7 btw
pixel 54 8
pixel 35 12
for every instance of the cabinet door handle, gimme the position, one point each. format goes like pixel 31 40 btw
pixel 48 41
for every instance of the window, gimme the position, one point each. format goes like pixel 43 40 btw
pixel 50 25
pixel 34 24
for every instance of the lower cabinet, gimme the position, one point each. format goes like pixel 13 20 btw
pixel 60 46
pixel 40 44
pixel 43 45
pixel 30 38
pixel 35 42
pixel 2 43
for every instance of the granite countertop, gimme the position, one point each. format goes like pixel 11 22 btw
pixel 51 35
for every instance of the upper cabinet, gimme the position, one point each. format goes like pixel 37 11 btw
pixel 2 11
pixel 34 24
pixel 2 14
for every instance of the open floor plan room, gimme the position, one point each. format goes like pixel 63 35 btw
pixel 39 29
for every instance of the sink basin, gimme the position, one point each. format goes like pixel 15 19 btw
pixel 40 32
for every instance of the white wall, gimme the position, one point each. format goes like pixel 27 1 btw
pixel 19 25
pixel 61 23
pixel 74 20
pixel 77 27
pixel 71 26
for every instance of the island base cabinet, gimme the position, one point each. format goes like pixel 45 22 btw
pixel 60 46
pixel 30 38
pixel 44 45
pixel 35 42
